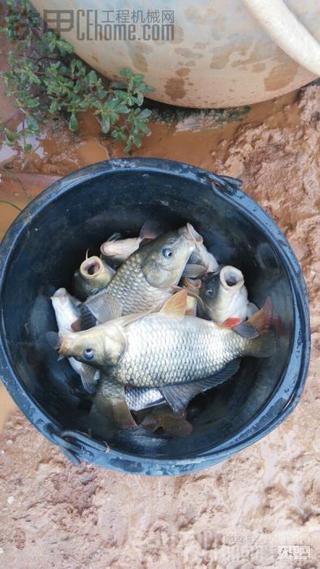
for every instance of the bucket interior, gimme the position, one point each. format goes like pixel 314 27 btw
pixel 54 244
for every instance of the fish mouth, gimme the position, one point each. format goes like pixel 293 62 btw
pixel 91 267
pixel 189 232
pixel 231 278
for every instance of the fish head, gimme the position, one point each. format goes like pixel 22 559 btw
pixel 228 278
pixel 224 294
pixel 99 347
pixel 210 287
pixel 164 259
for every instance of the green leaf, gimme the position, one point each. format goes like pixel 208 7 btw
pixel 53 107
pixel 11 136
pixel 73 123
pixel 105 124
pixel 32 123
pixel 145 114
pixel 46 79
pixel 32 103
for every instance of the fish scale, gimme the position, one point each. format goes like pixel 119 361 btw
pixel 146 278
pixel 162 351
pixel 130 277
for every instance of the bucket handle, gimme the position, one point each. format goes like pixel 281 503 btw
pixel 287 32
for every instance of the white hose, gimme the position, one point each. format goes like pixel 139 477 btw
pixel 287 32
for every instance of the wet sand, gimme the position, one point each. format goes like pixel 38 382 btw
pixel 259 509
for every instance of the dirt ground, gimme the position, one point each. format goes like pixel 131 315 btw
pixel 259 509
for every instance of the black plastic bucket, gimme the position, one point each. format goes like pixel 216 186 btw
pixel 48 241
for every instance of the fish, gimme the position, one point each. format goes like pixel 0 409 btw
pixel 93 275
pixel 139 398
pixel 192 286
pixel 167 349
pixel 225 297
pixel 171 423
pixel 145 281
pixel 66 309
pixel 118 250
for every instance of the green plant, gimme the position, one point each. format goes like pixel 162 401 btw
pixel 49 81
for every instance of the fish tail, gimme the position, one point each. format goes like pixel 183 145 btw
pixel 262 320
pixel 264 345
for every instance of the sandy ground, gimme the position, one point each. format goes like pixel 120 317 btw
pixel 259 509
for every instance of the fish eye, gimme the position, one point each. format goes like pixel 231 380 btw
pixel 166 252
pixel 209 292
pixel 89 354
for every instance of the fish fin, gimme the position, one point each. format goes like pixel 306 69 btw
pixel 53 340
pixel 246 330
pixel 252 309
pixel 231 322
pixel 150 230
pixel 192 287
pixel 199 300
pixel 87 318
pixel 88 379
pixel 103 306
pixel 110 402
pixel 264 346
pixel 179 396
pixel 193 271
pixel 192 306
pixel 172 424
pixel 262 320
pixel 176 305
